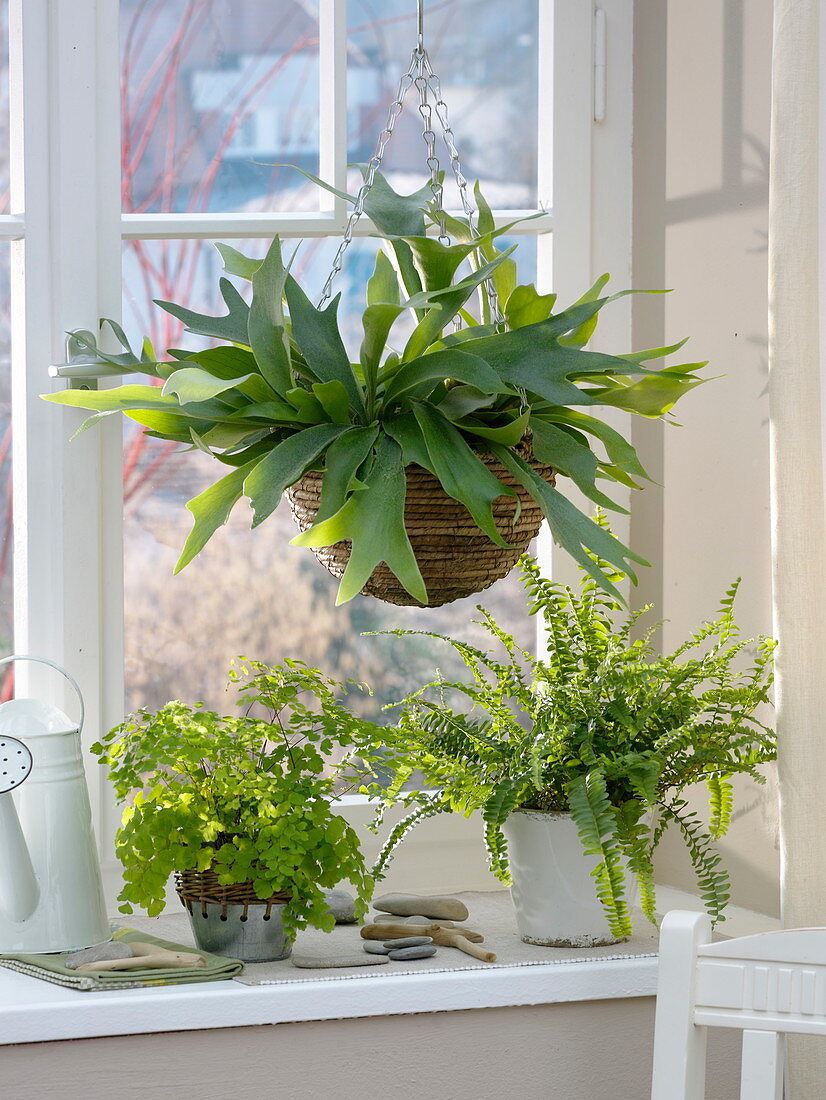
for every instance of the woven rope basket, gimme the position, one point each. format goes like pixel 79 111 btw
pixel 197 889
pixel 455 557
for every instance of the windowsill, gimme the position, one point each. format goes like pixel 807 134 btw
pixel 34 1011
pixel 37 1011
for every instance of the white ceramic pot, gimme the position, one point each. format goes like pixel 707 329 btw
pixel 553 892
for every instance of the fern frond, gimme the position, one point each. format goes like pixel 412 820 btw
pixel 712 878
pixel 497 849
pixel 635 839
pixel 503 800
pixel 596 823
pixel 721 804
pixel 429 806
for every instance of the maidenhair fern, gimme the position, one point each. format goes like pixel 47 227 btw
pixel 601 727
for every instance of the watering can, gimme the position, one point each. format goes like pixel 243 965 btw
pixel 51 894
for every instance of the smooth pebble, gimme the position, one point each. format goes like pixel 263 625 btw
pixel 431 905
pixel 317 962
pixel 423 952
pixel 407 941
pixel 373 947
pixel 342 905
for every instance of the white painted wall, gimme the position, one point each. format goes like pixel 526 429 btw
pixel 701 142
pixel 548 1052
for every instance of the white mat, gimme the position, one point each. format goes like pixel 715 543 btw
pixel 491 914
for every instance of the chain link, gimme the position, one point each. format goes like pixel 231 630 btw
pixel 419 73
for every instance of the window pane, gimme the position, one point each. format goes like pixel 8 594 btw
pixel 485 53
pixel 214 95
pixel 249 593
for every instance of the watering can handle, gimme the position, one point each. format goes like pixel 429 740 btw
pixel 60 669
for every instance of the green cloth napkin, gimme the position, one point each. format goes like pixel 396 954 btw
pixel 52 968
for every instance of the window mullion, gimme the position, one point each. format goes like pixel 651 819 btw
pixel 66 274
pixel 564 146
pixel 586 168
pixel 210 226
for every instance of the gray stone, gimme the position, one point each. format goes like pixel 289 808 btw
pixel 419 919
pixel 342 905
pixel 423 952
pixel 407 941
pixel 434 906
pixel 389 918
pixel 317 962
pixel 373 947
pixel 101 952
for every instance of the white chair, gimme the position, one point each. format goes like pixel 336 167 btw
pixel 765 985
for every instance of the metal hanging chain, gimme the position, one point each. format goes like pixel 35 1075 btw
pixel 419 72
pixel 373 164
pixel 429 136
pixel 449 139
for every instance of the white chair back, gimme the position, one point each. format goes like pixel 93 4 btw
pixel 767 985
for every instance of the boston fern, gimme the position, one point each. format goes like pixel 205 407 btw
pixel 279 396
pixel 602 727
pixel 248 796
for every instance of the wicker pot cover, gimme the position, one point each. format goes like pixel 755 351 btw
pixel 197 889
pixel 455 557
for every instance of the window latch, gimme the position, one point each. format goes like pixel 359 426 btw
pixel 82 369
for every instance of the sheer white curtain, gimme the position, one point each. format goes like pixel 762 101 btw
pixel 799 532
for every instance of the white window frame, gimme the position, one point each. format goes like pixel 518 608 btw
pixel 67 229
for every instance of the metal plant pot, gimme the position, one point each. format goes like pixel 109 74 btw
pixel 254 937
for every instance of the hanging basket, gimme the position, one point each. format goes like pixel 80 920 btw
pixel 198 889
pixel 455 557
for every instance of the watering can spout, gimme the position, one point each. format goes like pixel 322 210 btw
pixel 19 890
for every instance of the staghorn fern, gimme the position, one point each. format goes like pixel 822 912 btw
pixel 601 727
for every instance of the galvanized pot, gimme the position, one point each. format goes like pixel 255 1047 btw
pixel 226 930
